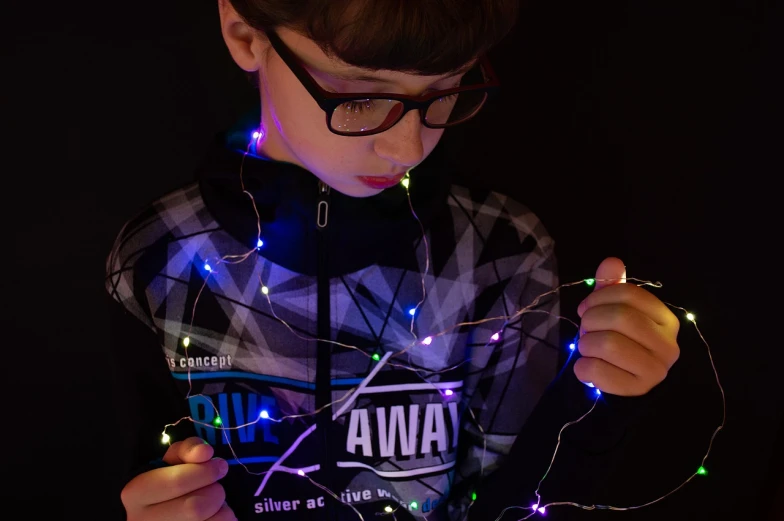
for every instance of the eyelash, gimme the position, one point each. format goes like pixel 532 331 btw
pixel 354 106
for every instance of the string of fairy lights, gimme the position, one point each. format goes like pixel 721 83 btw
pixel 344 402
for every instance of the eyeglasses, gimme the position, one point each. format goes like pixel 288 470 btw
pixel 365 114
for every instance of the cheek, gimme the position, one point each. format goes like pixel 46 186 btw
pixel 430 138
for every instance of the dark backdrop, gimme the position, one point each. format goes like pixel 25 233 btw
pixel 646 130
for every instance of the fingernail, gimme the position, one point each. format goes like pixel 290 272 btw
pixel 223 467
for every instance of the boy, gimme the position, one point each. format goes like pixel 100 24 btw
pixel 321 362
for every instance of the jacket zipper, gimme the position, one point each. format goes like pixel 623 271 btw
pixel 323 390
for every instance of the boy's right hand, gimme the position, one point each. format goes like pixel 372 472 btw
pixel 188 490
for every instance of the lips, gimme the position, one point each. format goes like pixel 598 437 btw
pixel 381 182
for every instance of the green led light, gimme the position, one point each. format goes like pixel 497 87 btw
pixel 376 357
pixel 473 496
pixel 701 471
pixel 590 282
pixel 414 505
pixel 217 422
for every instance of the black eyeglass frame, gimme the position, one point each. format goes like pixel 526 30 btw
pixel 329 101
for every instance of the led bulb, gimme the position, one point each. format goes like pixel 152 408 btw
pixel 427 341
pixel 473 496
pixel 264 414
pixel 387 509
pixel 449 392
pixel 412 311
pixel 300 472
pixel 376 357
pixel 405 182
pixel 701 471
pixel 690 316
pixel 186 341
pixel 165 438
pixel 260 243
pixel 217 421
pixel 590 282
pixel 571 346
pixel 495 337
pixel 541 510
pixel 265 290
pixel 207 267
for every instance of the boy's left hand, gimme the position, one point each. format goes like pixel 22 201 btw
pixel 628 337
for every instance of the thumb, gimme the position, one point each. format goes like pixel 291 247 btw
pixel 192 450
pixel 610 271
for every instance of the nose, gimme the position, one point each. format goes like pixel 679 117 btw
pixel 402 144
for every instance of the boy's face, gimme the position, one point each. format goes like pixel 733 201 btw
pixel 295 126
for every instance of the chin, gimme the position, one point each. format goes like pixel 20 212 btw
pixel 360 192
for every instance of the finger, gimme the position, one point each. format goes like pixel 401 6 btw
pixel 225 513
pixel 164 484
pixel 634 296
pixel 199 505
pixel 608 378
pixel 191 450
pixel 633 324
pixel 610 271
pixel 618 350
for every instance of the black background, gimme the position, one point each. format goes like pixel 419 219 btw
pixel 645 130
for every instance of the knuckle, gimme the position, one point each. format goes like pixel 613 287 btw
pixel 616 314
pixel 204 503
pixel 608 343
pixel 194 509
pixel 178 480
pixel 224 514
pixel 583 368
pixel 127 496
pixel 660 373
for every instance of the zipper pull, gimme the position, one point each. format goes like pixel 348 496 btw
pixel 322 213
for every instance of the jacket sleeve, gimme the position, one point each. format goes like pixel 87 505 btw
pixel 508 373
pixel 145 397
pixel 588 452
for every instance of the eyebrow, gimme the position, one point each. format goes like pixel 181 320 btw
pixel 359 76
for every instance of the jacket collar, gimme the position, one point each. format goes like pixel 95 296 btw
pixel 360 231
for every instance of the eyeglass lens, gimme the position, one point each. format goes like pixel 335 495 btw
pixel 367 115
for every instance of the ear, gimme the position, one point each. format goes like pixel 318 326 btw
pixel 246 45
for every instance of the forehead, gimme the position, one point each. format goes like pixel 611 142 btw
pixel 317 61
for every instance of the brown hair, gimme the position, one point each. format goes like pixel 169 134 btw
pixel 424 37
